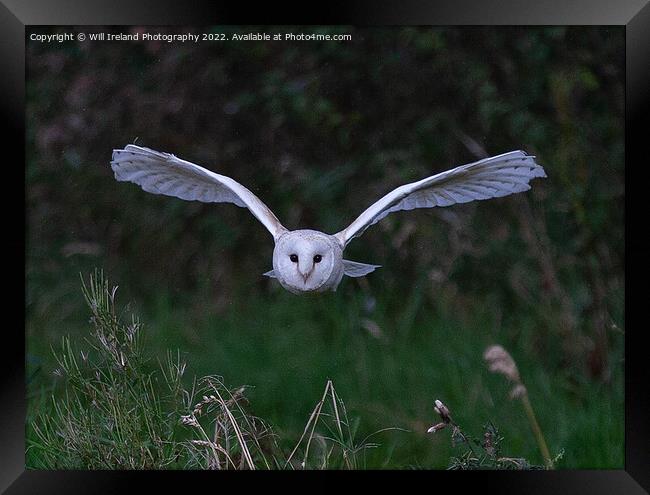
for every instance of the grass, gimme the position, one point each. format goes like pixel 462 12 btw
pixel 115 413
pixel 288 348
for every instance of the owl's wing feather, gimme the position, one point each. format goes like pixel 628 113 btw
pixel 164 173
pixel 492 177
pixel 356 269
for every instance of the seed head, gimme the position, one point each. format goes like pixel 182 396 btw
pixel 437 427
pixel 499 361
pixel 190 420
pixel 442 411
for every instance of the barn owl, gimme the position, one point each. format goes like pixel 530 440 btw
pixel 309 260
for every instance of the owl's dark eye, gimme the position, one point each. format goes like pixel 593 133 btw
pixel 293 258
pixel 317 258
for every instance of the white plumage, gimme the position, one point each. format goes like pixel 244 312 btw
pixel 309 260
pixel 488 178
pixel 164 173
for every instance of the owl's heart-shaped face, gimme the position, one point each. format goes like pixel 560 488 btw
pixel 308 260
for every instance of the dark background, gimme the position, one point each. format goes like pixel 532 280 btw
pixel 319 130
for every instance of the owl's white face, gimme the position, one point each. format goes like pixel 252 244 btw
pixel 308 260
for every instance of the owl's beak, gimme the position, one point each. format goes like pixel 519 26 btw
pixel 305 275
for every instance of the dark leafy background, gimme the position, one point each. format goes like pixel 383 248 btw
pixel 319 130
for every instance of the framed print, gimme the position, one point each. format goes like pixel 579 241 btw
pixel 390 239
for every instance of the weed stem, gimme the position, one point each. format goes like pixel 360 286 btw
pixel 537 431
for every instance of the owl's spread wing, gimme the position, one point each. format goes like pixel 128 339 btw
pixel 164 173
pixel 488 178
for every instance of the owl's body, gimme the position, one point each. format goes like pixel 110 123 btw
pixel 310 260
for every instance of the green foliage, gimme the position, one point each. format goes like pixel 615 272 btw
pixel 117 414
pixel 319 131
pixel 337 447
pixel 388 378
pixel 484 453
pixel 112 414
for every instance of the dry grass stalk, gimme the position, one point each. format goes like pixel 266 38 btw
pixel 501 362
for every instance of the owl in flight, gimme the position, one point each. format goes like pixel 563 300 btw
pixel 308 260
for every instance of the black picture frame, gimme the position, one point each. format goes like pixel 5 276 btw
pixel 16 15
